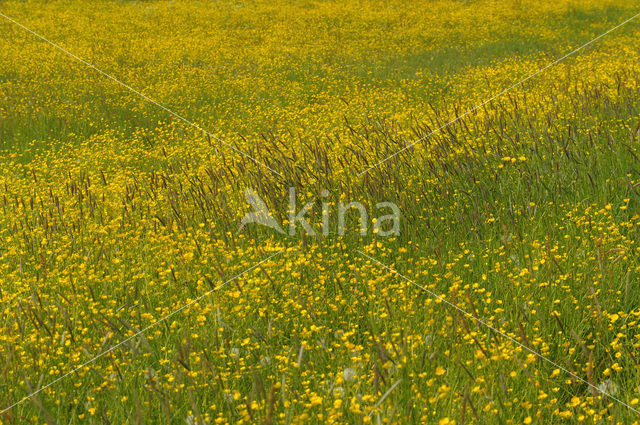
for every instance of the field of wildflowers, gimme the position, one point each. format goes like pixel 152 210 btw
pixel 130 292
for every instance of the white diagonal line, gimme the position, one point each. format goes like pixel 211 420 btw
pixel 384 396
pixel 515 341
pixel 499 94
pixel 173 313
pixel 147 98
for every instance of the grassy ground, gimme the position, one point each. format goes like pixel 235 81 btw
pixel 510 294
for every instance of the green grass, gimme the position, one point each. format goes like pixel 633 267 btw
pixel 113 216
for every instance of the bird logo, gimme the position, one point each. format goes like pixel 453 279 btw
pixel 260 214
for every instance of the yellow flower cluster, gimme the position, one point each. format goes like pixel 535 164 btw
pixel 125 284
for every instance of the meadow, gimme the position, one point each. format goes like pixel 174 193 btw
pixel 511 293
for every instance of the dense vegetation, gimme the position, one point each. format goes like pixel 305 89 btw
pixel 511 294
